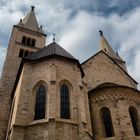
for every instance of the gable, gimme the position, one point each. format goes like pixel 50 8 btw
pixel 100 68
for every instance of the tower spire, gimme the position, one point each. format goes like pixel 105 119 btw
pixel 54 37
pixel 30 21
pixel 105 46
pixel 101 32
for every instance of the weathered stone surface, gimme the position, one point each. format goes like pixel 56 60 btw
pixel 101 69
pixel 118 99
pixel 56 128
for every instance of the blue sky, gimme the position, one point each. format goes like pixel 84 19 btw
pixel 76 24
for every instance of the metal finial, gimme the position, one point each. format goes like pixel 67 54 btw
pixel 54 37
pixel 101 32
pixel 32 8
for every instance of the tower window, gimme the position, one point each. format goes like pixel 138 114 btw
pixel 26 53
pixel 64 97
pixel 23 40
pixel 28 41
pixel 21 53
pixel 134 119
pixel 107 122
pixel 33 42
pixel 40 103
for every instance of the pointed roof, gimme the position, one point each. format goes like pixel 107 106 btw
pixel 30 21
pixel 104 45
pixel 101 51
pixel 50 50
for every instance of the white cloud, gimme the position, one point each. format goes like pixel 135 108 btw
pixel 78 32
pixel 134 69
pixel 122 32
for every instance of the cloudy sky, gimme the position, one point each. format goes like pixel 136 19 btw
pixel 76 24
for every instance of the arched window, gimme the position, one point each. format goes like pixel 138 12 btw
pixel 24 40
pixel 106 117
pixel 21 53
pixel 64 102
pixel 28 42
pixel 134 119
pixel 33 42
pixel 40 103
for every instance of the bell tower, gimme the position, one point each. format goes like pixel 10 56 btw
pixel 26 37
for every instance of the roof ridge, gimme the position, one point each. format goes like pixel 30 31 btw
pixel 49 50
pixel 54 47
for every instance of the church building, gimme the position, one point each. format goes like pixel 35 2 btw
pixel 47 94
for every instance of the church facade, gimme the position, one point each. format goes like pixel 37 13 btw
pixel 47 94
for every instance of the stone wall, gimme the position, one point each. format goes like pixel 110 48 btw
pixel 46 129
pixel 52 74
pixel 117 99
pixel 101 69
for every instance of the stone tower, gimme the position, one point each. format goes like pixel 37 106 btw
pixel 26 37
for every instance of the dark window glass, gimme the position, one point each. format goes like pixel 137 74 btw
pixel 65 112
pixel 21 53
pixel 134 119
pixel 26 53
pixel 28 42
pixel 33 43
pixel 40 103
pixel 106 117
pixel 23 40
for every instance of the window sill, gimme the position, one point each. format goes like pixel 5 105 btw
pixel 38 122
pixel 66 121
pixel 46 121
